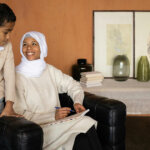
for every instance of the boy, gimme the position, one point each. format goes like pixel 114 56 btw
pixel 7 68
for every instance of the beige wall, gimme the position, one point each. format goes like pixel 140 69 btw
pixel 67 25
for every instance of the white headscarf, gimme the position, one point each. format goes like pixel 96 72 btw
pixel 33 68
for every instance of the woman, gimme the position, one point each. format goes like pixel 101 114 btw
pixel 37 87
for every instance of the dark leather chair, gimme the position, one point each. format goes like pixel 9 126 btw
pixel 21 134
pixel 111 117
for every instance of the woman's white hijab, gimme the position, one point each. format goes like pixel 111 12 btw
pixel 33 68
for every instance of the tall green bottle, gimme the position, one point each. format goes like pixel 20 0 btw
pixel 143 69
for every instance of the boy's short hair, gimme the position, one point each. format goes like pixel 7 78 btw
pixel 6 14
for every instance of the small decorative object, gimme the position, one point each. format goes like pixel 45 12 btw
pixel 143 70
pixel 121 68
pixel 92 78
pixel 81 66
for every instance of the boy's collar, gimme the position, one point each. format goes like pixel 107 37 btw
pixel 1 48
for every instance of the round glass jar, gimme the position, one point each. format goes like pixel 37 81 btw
pixel 121 68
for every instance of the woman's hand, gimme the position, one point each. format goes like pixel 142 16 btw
pixel 78 107
pixel 62 112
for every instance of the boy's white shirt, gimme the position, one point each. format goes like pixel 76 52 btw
pixel 1 48
pixel 7 82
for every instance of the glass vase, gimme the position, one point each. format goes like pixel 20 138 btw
pixel 143 69
pixel 121 68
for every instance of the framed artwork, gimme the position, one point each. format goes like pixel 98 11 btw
pixel 142 36
pixel 113 35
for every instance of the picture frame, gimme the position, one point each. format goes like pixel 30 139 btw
pixel 113 34
pixel 142 36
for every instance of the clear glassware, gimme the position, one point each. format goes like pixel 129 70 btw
pixel 121 68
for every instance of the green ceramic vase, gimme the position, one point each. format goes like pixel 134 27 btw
pixel 121 68
pixel 143 69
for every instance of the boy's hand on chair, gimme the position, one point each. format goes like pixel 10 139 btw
pixel 9 112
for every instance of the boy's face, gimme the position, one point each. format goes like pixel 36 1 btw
pixel 5 31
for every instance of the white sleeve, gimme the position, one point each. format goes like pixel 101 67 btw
pixel 9 75
pixel 40 118
pixel 66 84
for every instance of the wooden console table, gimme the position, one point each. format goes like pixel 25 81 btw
pixel 135 94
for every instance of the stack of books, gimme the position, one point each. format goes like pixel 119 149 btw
pixel 90 79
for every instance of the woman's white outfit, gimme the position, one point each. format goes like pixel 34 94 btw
pixel 37 97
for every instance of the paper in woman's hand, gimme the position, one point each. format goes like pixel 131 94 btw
pixel 69 118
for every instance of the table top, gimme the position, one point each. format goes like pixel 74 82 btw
pixel 135 94
pixel 129 85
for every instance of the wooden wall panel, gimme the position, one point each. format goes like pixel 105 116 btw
pixel 67 25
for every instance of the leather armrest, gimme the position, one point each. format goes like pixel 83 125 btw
pixel 111 116
pixel 103 108
pixel 20 134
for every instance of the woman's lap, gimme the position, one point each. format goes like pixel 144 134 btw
pixel 88 140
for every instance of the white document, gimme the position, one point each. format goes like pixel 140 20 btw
pixel 72 117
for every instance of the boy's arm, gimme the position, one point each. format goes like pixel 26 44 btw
pixel 9 75
pixel 9 80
